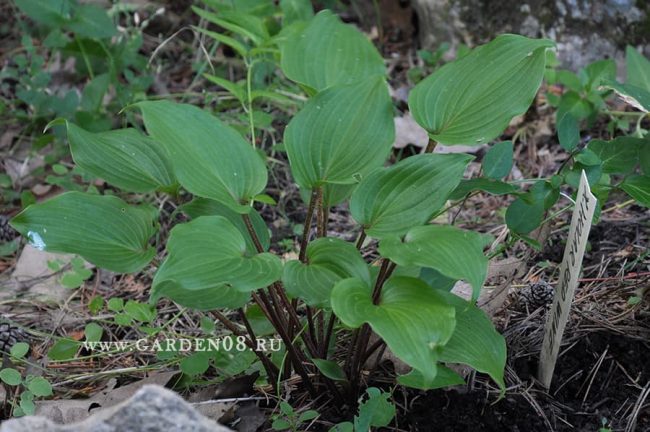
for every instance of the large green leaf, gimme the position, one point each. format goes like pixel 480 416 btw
pixel 619 156
pixel 392 200
pixel 497 162
pixel 472 100
pixel 327 52
pixel 414 320
pixel 104 230
pixel 207 266
pixel 124 158
pixel 638 187
pixel 210 159
pixel 455 253
pixel 636 96
pixel 328 261
pixel 638 68
pixel 475 342
pixel 343 132
pixel 206 207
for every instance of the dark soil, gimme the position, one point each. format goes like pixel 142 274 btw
pixel 573 405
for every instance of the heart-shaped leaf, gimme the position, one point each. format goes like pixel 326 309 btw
pixel 619 156
pixel 392 200
pixel 343 132
pixel 475 341
pixel 124 158
pixel 472 100
pixel 414 320
pixel 104 230
pixel 209 159
pixel 207 267
pixel 327 52
pixel 497 162
pixel 455 253
pixel 206 207
pixel 328 261
pixel 638 187
pixel 636 96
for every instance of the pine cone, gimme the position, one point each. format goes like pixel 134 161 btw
pixel 7 233
pixel 538 294
pixel 9 336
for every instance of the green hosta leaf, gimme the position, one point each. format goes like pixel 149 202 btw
pixel 439 247
pixel 472 100
pixel 497 162
pixel 327 52
pixel 392 200
pixel 330 369
pixel 104 230
pixel 343 132
pixel 210 159
pixel 206 207
pixel 619 156
pixel 328 261
pixel 638 187
pixel 124 158
pixel 568 132
pixel 206 266
pixel 475 342
pixel 493 187
pixel 638 68
pixel 414 320
pixel 92 21
pixel 444 378
pixel 638 97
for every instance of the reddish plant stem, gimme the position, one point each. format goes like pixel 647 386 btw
pixel 362 238
pixel 321 221
pixel 307 228
pixel 431 146
pixel 271 369
pixel 328 335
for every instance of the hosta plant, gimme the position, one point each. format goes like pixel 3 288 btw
pixel 331 307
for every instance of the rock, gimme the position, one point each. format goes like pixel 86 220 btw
pixel 152 409
pixel 585 30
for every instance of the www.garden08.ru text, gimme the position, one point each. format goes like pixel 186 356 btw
pixel 184 345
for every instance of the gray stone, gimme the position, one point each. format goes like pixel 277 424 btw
pixel 585 30
pixel 151 409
